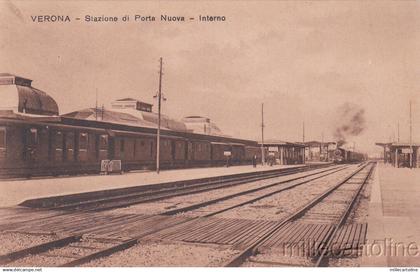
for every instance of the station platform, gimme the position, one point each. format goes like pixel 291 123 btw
pixel 393 237
pixel 14 192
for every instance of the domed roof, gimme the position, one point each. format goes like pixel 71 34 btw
pixel 130 117
pixel 202 125
pixel 17 94
pixel 35 101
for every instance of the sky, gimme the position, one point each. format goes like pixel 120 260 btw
pixel 305 61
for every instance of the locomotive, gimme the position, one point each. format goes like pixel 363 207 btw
pixel 341 155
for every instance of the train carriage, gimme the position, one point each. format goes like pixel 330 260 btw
pixel 56 146
pixel 36 140
pixel 238 153
pixel 218 152
pixel 341 155
pixel 201 152
pixel 33 148
pixel 251 151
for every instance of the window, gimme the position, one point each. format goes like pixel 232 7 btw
pixel 122 145
pixel 2 137
pixel 70 140
pixel 103 141
pixel 142 143
pixel 58 141
pixel 151 148
pixel 33 136
pixel 83 141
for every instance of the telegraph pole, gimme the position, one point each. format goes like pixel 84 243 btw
pixel 262 135
pixel 398 139
pixel 102 113
pixel 411 138
pixel 159 97
pixel 303 132
pixel 96 105
pixel 303 142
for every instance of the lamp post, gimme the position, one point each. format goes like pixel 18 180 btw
pixel 159 97
pixel 411 139
pixel 262 135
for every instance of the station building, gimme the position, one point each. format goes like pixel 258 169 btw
pixel 35 140
pixel 202 125
pixel 135 112
pixel 284 152
pixel 131 112
pixel 20 100
pixel 18 96
pixel 401 154
pixel 316 151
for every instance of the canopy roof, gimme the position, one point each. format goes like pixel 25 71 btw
pixel 18 95
pixel 127 116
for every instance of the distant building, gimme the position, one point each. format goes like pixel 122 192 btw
pixel 106 115
pixel 17 96
pixel 401 154
pixel 316 151
pixel 131 112
pixel 284 152
pixel 131 103
pixel 202 125
pixel 138 113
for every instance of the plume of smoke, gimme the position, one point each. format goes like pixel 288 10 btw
pixel 350 122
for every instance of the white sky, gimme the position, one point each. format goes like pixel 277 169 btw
pixel 302 59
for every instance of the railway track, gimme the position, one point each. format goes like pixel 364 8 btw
pixel 118 198
pixel 25 216
pixel 149 226
pixel 56 207
pixel 72 220
pixel 286 231
pixel 229 202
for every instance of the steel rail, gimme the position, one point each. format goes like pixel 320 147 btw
pixel 10 257
pixel 175 192
pixel 330 238
pixel 131 242
pixel 136 240
pixel 238 259
pixel 58 201
pixel 125 200
pixel 212 201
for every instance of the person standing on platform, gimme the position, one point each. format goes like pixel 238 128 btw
pixel 254 161
pixel 271 159
pixel 227 161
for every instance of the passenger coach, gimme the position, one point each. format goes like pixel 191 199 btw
pixel 35 140
pixel 58 145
